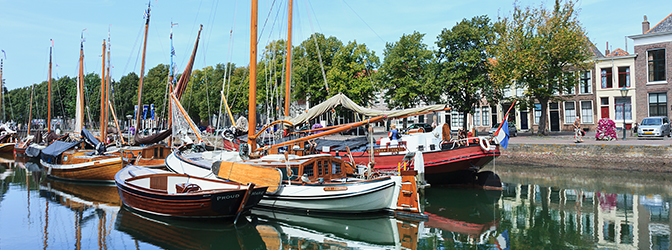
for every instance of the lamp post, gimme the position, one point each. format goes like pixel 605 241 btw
pixel 624 93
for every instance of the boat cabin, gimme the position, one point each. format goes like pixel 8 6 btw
pixel 316 168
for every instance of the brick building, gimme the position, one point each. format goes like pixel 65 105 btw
pixel 653 77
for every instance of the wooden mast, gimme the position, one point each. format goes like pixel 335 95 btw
pixel 142 73
pixel 79 123
pixel 288 71
pixel 103 102
pixel 49 93
pixel 30 112
pixel 1 62
pixel 252 107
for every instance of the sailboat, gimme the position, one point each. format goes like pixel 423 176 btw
pixel 66 160
pixel 146 150
pixel 315 183
pixel 7 135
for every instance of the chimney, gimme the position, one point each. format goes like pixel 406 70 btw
pixel 645 25
pixel 606 52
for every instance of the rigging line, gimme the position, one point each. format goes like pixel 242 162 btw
pixel 265 22
pixel 360 18
pixel 319 55
pixel 133 49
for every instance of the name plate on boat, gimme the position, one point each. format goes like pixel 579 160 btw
pixel 386 150
pixel 335 188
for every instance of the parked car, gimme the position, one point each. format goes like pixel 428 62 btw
pixel 654 126
pixel 415 127
pixel 513 131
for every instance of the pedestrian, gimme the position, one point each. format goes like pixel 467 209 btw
pixel 394 134
pixel 578 135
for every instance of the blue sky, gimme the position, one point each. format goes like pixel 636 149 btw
pixel 26 28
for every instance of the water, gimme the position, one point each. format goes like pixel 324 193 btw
pixel 539 208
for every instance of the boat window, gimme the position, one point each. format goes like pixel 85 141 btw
pixel 295 173
pixel 308 169
pixel 335 168
pixel 319 168
pixel 326 167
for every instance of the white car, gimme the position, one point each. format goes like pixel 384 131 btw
pixel 658 126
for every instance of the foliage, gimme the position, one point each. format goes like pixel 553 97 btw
pixel 462 64
pixel 352 73
pixel 536 48
pixel 402 74
pixel 307 76
pixel 606 130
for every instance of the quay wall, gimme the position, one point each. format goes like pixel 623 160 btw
pixel 647 158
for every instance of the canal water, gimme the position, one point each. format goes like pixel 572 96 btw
pixel 539 208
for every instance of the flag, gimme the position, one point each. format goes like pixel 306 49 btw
pixel 3 53
pixel 503 134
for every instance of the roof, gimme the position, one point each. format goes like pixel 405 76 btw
pixel 596 52
pixel 618 52
pixel 663 26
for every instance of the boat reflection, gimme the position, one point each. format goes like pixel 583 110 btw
pixel 87 201
pixel 462 217
pixel 301 231
pixel 170 233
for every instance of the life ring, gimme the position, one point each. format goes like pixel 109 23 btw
pixel 485 144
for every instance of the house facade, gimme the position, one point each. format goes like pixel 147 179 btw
pixel 653 78
pixel 615 87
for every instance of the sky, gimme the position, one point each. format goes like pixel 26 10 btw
pixel 27 28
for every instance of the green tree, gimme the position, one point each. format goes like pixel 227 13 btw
pixel 308 78
pixel 403 72
pixel 462 63
pixel 352 73
pixel 125 93
pixel 537 49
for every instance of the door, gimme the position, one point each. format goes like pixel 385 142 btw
pixel 555 120
pixel 605 112
pixel 523 121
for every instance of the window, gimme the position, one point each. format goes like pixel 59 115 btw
pixel 571 91
pixel 570 112
pixel 507 93
pixel 537 113
pixel 309 170
pixel 604 101
pixel 477 117
pixel 587 112
pixel 457 119
pixel 486 116
pixel 658 104
pixel 606 78
pixel 623 77
pixel 621 102
pixel 656 60
pixel 585 85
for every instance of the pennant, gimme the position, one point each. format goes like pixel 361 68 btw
pixel 5 55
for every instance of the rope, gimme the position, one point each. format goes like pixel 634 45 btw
pixel 319 55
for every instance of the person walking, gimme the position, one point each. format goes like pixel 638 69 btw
pixel 578 135
pixel 394 133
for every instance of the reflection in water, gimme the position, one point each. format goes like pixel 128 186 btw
pixel 301 231
pixel 189 234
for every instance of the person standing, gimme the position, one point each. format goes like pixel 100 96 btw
pixel 394 133
pixel 578 136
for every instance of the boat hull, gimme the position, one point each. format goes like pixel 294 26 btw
pixel 222 199
pixel 93 169
pixel 441 166
pixel 357 197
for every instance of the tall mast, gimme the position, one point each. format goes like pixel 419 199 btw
pixel 142 71
pixel 288 71
pixel 252 107
pixel 79 119
pixel 103 101
pixel 1 62
pixel 108 86
pixel 30 112
pixel 49 91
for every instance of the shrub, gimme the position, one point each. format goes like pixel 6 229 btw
pixel 606 130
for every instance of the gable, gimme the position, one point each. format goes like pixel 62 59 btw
pixel 663 26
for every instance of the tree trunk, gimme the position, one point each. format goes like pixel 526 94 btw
pixel 543 127
pixel 464 121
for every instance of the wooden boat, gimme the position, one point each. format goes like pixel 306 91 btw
pixel 64 160
pixel 160 192
pixel 168 233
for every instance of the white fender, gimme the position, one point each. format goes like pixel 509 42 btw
pixel 485 144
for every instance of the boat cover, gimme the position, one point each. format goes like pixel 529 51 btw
pixel 342 100
pixel 58 147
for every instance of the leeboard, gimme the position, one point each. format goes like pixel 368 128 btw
pixel 247 173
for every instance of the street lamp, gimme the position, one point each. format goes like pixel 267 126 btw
pixel 624 93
